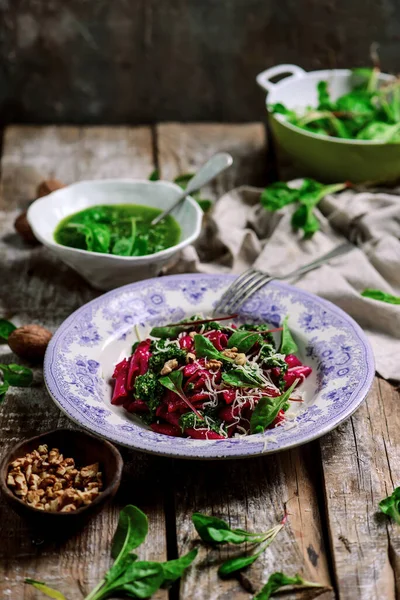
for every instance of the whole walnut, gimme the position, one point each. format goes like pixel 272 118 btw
pixel 46 187
pixel 23 228
pixel 30 342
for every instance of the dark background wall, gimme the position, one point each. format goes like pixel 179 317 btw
pixel 140 61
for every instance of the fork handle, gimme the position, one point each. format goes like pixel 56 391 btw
pixel 338 251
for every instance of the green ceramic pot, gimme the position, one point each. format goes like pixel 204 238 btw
pixel 325 158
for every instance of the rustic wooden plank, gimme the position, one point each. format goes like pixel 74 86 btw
pixel 184 148
pixel 148 61
pixel 361 465
pixel 37 288
pixel 248 493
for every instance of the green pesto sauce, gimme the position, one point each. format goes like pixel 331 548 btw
pixel 121 229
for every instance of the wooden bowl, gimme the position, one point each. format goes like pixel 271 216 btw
pixel 85 449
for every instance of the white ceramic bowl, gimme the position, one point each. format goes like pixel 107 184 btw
pixel 106 271
pixel 326 158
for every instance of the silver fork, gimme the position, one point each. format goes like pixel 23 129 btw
pixel 249 282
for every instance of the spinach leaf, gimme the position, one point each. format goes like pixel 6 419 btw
pixel 236 564
pixel 267 410
pixel 5 329
pixel 243 340
pixel 391 505
pixel 173 381
pixel 154 175
pixel 101 238
pixel 85 231
pixel 174 569
pixel 206 349
pixel 17 375
pixel 217 531
pixel 277 195
pixel 242 378
pixel 130 533
pixel 124 245
pixel 165 333
pixel 381 296
pixel 280 109
pixel 140 580
pixel 205 205
pixel 3 390
pixel 288 345
pixel 45 589
pixel 324 100
pixel 278 580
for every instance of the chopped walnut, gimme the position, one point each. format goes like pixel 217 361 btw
pixel 192 334
pixel 230 352
pixel 169 366
pixel 213 364
pixel 48 481
pixel 190 357
pixel 240 359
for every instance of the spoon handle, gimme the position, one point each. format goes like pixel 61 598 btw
pixel 213 167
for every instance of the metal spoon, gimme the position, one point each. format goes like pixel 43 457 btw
pixel 213 167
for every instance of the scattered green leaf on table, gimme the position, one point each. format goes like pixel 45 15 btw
pixel 237 563
pixel 131 531
pixel 381 296
pixel 267 409
pixel 17 375
pixel 6 327
pixel 3 390
pixel 154 175
pixel 174 569
pixel 278 580
pixel 391 505
pixel 141 579
pixel 45 589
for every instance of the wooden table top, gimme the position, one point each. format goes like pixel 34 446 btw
pixel 332 485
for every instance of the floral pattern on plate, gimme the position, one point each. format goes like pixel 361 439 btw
pixel 78 360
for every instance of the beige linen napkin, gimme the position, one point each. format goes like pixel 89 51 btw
pixel 240 233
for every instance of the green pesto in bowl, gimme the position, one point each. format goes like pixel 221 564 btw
pixel 119 229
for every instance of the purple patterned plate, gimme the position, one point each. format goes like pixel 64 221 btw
pixel 81 356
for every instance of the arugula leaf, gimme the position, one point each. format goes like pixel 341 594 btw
pixel 173 381
pixel 165 333
pixel 243 340
pixel 131 531
pixel 242 378
pixel 278 580
pixel 154 175
pixel 17 375
pixel 6 327
pixel 381 296
pixel 267 410
pixel 174 569
pixel 3 390
pixel 45 589
pixel 391 505
pixel 288 345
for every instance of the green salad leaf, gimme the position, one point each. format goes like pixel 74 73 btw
pixel 174 569
pixel 246 378
pixel 391 505
pixel 278 580
pixel 17 375
pixel 381 296
pixel 288 345
pixel 243 340
pixel 154 175
pixel 6 328
pixel 3 390
pixel 267 410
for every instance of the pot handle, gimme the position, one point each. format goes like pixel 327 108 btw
pixel 263 79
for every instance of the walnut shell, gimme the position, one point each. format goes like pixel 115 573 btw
pixel 23 228
pixel 47 186
pixel 29 341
